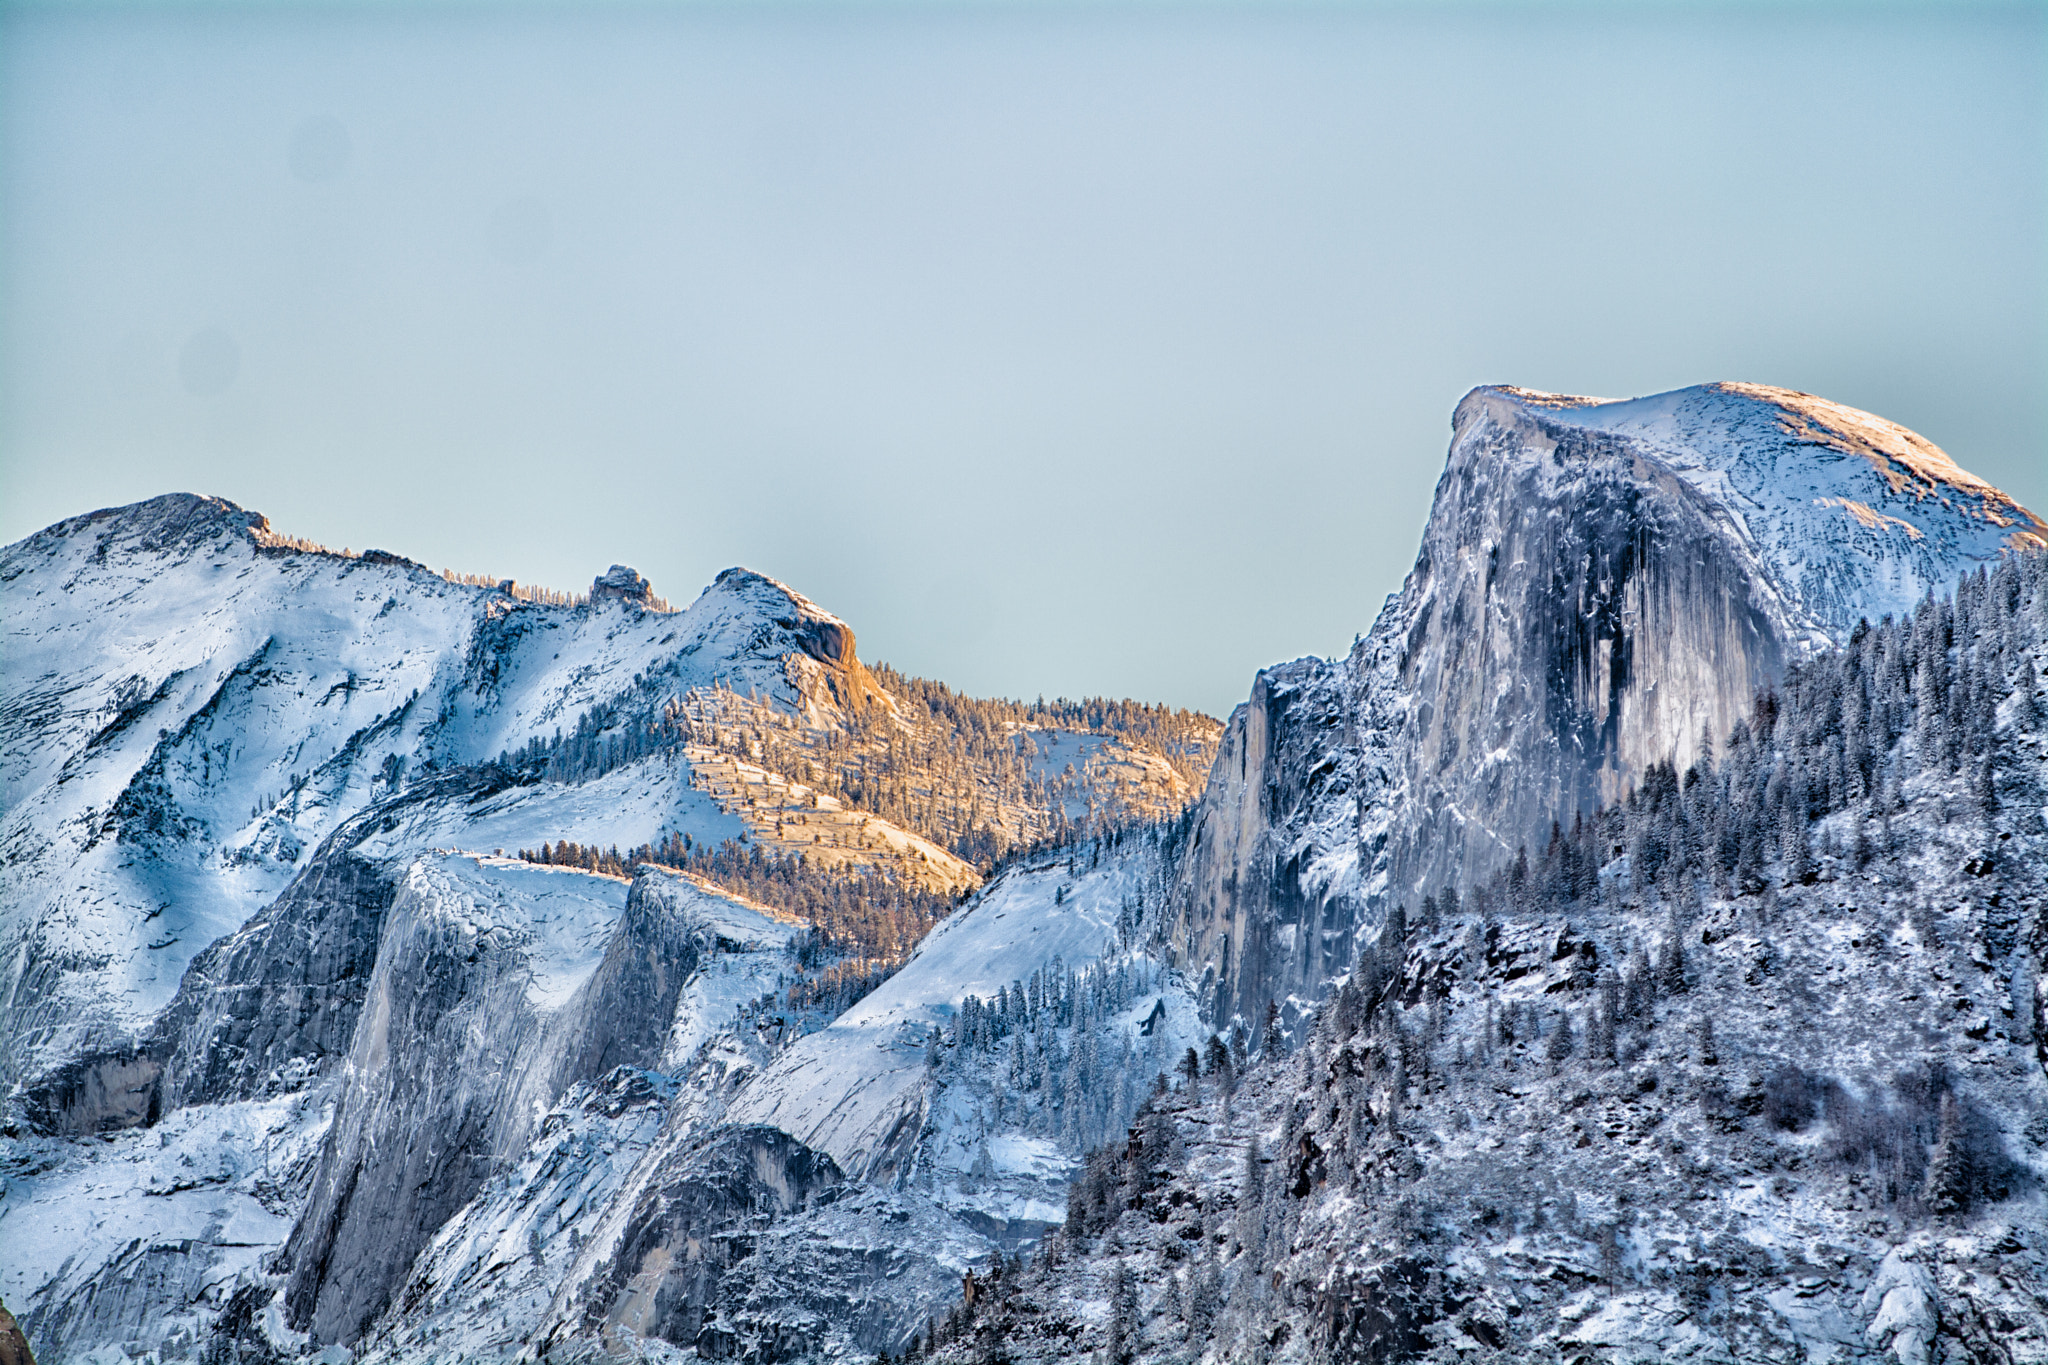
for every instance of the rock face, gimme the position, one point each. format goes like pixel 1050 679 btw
pixel 279 999
pixel 453 1060
pixel 1266 905
pixel 621 584
pixel 824 666
pixel 1638 1105
pixel 263 1010
pixel 1904 1308
pixel 443 1024
pixel 657 1285
pixel 1577 612
pixel 1599 584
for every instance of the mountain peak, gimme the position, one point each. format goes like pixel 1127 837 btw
pixel 759 587
pixel 1746 421
pixel 826 642
pixel 1855 515
pixel 623 584
pixel 167 522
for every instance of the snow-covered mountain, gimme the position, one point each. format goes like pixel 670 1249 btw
pixel 301 1064
pixel 867 1091
pixel 1751 1068
pixel 192 704
pixel 261 939
pixel 1599 585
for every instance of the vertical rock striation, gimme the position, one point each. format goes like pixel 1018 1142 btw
pixel 454 1061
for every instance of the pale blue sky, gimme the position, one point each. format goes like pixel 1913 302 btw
pixel 1073 351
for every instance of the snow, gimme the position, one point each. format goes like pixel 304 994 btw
pixel 936 1131
pixel 628 806
pixel 566 916
pixel 1052 752
pixel 748 958
pixel 487 1284
pixel 1855 515
pixel 1905 1301
pixel 212 1183
pixel 192 708
pixel 964 1135
pixel 846 1088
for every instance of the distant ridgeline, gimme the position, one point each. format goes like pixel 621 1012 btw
pixel 979 778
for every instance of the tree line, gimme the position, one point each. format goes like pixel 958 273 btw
pixel 979 778
pixel 870 918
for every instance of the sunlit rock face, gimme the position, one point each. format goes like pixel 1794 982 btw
pixel 1599 584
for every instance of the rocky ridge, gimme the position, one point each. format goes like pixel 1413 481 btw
pixel 357 1074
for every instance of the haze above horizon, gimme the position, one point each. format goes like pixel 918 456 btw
pixel 1098 351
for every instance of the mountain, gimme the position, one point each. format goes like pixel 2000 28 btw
pixel 193 703
pixel 265 911
pixel 1621 857
pixel 1599 585
pixel 1751 1066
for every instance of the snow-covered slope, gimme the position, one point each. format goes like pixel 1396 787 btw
pixel 191 704
pixel 601 1223
pixel 492 995
pixel 144 1236
pixel 1599 584
pixel 1855 516
pixel 257 800
pixel 889 1091
pixel 209 1194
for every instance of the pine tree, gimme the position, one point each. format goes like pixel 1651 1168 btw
pixel 1560 1045
pixel 1123 1315
pixel 1947 1189
pixel 1205 1301
pixel 1672 978
pixel 1600 1040
pixel 1798 858
pixel 1216 1057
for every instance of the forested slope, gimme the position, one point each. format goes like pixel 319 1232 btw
pixel 1747 1066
